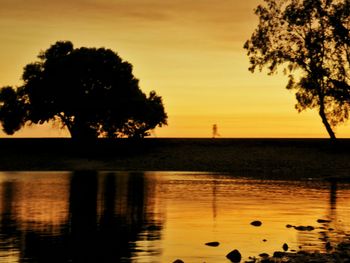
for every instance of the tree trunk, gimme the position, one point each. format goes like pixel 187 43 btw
pixel 325 122
pixel 81 130
pixel 67 122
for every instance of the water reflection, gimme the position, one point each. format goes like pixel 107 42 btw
pixel 90 216
pixel 82 217
pixel 333 194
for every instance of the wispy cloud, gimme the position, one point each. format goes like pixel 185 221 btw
pixel 202 13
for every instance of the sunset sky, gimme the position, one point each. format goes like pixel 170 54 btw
pixel 190 52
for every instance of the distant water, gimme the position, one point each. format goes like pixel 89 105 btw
pixel 160 217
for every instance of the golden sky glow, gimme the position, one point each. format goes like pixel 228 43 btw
pixel 190 52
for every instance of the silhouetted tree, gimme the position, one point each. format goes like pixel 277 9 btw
pixel 90 91
pixel 310 40
pixel 12 109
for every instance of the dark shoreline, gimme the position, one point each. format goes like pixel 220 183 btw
pixel 258 158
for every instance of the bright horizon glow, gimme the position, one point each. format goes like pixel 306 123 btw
pixel 190 53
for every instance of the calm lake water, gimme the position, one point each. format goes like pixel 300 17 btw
pixel 161 217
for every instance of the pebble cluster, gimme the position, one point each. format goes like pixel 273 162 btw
pixel 339 253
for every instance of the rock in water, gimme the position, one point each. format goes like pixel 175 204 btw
pixel 328 246
pixel 304 228
pixel 178 261
pixel 256 223
pixel 285 247
pixel 322 221
pixel 212 244
pixel 278 254
pixel 234 256
pixel 264 255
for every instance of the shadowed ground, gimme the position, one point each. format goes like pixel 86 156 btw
pixel 265 158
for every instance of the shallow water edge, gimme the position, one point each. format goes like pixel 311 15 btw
pixel 159 217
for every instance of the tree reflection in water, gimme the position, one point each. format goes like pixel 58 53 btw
pixel 106 215
pixel 119 217
pixel 329 228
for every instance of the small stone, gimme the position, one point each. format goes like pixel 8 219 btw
pixel 212 244
pixel 321 221
pixel 289 226
pixel 285 247
pixel 304 228
pixel 302 252
pixel 234 256
pixel 278 254
pixel 256 223
pixel 264 240
pixel 178 261
pixel 264 255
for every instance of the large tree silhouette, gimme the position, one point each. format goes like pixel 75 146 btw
pixel 92 92
pixel 310 40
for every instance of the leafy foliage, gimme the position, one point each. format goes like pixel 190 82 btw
pixel 90 91
pixel 310 40
pixel 12 109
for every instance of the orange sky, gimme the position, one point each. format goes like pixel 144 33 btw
pixel 190 52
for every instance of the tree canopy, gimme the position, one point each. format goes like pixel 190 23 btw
pixel 92 92
pixel 310 41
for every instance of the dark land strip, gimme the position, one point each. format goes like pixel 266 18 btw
pixel 260 158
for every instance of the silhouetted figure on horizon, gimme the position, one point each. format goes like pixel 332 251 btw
pixel 215 131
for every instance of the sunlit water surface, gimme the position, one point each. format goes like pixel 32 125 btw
pixel 160 217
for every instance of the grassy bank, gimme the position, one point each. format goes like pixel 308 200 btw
pixel 266 158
